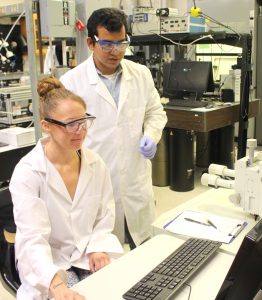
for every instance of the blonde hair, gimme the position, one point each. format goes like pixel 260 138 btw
pixel 51 92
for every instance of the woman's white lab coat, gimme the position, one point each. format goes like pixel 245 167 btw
pixel 54 232
pixel 116 134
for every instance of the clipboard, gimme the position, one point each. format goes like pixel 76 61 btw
pixel 195 224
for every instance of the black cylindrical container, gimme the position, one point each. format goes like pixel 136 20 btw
pixel 203 149
pixel 222 149
pixel 226 154
pixel 181 158
pixel 160 163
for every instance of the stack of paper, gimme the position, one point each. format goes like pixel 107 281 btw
pixel 206 226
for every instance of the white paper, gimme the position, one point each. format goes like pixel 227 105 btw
pixel 227 228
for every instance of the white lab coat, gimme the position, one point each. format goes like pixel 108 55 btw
pixel 54 232
pixel 116 134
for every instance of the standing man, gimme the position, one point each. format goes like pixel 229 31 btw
pixel 130 120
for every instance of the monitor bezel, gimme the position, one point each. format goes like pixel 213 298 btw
pixel 187 90
pixel 244 278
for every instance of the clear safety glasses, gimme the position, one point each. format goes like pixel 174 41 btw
pixel 75 125
pixel 108 46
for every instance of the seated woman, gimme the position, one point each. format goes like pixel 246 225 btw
pixel 63 202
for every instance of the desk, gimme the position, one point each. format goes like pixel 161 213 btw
pixel 182 122
pixel 214 201
pixel 204 120
pixel 114 280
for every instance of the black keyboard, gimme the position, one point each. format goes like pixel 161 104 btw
pixel 167 277
pixel 187 103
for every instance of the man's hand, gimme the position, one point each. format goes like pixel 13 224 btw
pixel 147 147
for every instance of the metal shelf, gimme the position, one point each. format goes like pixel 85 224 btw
pixel 219 37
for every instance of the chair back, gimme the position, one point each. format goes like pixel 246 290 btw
pixel 8 271
pixel 6 209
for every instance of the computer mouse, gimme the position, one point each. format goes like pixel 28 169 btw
pixel 228 103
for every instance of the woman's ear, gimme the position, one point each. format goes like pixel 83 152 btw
pixel 45 126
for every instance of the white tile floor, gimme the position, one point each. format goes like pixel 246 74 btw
pixel 165 199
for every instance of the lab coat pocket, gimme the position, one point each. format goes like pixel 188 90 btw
pixel 136 120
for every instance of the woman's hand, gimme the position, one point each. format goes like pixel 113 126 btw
pixel 63 293
pixel 60 291
pixel 98 260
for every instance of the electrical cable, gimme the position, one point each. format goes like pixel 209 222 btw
pixel 196 12
pixel 190 290
pixel 30 124
pixel 218 23
pixel 181 44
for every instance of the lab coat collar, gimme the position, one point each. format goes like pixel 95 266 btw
pixel 125 87
pixel 100 87
pixel 86 173
pixel 39 164
pixel 126 73
pixel 38 157
pixel 92 71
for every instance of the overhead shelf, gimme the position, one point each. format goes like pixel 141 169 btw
pixel 219 37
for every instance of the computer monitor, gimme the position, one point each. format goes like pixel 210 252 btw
pixel 187 79
pixel 244 277
pixel 9 159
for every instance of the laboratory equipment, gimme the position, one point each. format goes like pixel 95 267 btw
pixel 147 20
pixel 17 136
pixel 16 104
pixel 58 18
pixel 245 180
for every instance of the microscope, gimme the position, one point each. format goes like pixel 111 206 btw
pixel 246 180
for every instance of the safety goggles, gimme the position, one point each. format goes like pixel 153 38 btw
pixel 108 46
pixel 75 125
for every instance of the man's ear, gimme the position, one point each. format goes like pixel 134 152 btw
pixel 90 43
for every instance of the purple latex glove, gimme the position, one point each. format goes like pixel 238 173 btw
pixel 147 147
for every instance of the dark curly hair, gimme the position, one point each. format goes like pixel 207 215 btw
pixel 111 18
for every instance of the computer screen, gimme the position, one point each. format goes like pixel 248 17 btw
pixel 187 79
pixel 244 277
pixel 9 159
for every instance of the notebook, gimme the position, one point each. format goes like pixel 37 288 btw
pixel 206 226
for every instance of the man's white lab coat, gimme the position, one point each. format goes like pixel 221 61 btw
pixel 116 134
pixel 54 232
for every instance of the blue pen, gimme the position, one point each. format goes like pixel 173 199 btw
pixel 168 223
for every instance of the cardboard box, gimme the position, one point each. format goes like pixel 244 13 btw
pixel 17 136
